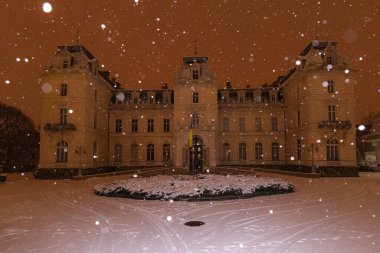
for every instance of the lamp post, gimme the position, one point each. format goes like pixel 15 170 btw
pixel 80 150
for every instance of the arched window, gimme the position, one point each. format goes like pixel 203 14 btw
pixel 258 151
pixel 242 151
pixel 62 151
pixel 226 152
pixel 332 149
pixel 150 152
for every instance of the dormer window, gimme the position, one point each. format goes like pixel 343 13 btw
pixel 65 64
pixel 329 60
pixel 195 74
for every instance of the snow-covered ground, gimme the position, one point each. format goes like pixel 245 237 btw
pixel 322 215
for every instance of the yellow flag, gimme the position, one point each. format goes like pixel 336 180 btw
pixel 191 138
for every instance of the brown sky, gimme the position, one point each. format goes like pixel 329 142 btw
pixel 248 42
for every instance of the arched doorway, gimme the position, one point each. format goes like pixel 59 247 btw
pixel 196 155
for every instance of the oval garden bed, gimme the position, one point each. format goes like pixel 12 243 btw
pixel 200 187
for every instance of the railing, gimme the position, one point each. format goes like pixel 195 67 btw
pixel 57 127
pixel 343 124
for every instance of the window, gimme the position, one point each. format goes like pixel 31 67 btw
pixel 195 97
pixel 118 153
pixel 96 95
pixel 299 150
pixel 298 118
pixel 331 112
pixel 150 125
pixel 274 124
pixel 195 119
pixel 63 91
pixel 332 149
pixel 63 116
pixel 65 64
pixel 329 60
pixel 62 151
pixel 330 86
pixel 226 156
pixel 94 151
pixel 226 124
pixel 258 151
pixel 95 120
pixel 134 152
pixel 241 124
pixel 273 97
pixel 195 74
pixel 166 125
pixel 275 151
pixel 258 124
pixel 135 125
pixel 150 152
pixel 242 151
pixel 119 127
pixel 166 152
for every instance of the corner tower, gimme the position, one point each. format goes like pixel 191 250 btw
pixel 74 114
pixel 320 110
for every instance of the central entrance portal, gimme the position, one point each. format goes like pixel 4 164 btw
pixel 196 155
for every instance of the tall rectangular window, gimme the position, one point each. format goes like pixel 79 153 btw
pixel 63 116
pixel 63 91
pixel 65 64
pixel 118 125
pixel 195 74
pixel 62 151
pixel 330 86
pixel 150 125
pixel 135 125
pixel 258 151
pixel 150 152
pixel 241 124
pixel 299 150
pixel 331 109
pixel 274 124
pixel 242 151
pixel 226 125
pixel 195 119
pixel 275 151
pixel 96 95
pixel 258 124
pixel 134 152
pixel 166 152
pixel 118 153
pixel 166 125
pixel 195 97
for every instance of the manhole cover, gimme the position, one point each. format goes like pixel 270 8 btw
pixel 194 223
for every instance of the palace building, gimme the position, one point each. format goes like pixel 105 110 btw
pixel 303 121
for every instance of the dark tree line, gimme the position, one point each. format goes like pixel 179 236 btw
pixel 19 140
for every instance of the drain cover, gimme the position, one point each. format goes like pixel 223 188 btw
pixel 194 223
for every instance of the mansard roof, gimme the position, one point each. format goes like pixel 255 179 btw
pixel 194 59
pixel 76 49
pixel 319 45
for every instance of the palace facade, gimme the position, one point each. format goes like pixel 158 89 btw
pixel 91 124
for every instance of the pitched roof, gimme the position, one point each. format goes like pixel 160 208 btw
pixel 75 49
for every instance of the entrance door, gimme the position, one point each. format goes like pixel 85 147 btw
pixel 196 155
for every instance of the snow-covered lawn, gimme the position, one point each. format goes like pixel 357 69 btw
pixel 186 187
pixel 322 215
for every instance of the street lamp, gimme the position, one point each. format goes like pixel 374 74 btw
pixel 80 150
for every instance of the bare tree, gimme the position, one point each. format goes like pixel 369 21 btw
pixel 19 140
